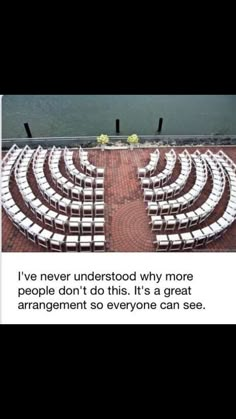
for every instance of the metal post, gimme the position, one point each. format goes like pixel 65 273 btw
pixel 160 125
pixel 117 126
pixel 27 128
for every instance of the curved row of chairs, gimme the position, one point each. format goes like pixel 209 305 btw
pixel 220 167
pixel 150 168
pixel 174 206
pixel 88 225
pixel 160 179
pixel 166 192
pixel 79 178
pixel 87 167
pixel 191 218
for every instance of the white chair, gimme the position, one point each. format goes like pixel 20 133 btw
pixel 24 225
pixel 49 218
pixel 87 194
pixel 99 195
pixel 74 225
pixel 87 226
pixel 170 222
pixel 188 241
pixel 99 210
pixel 40 212
pixel 85 243
pixel 64 204
pixel 76 192
pixel 72 244
pixel 162 242
pixel 98 225
pixel 75 208
pixel 33 231
pixel 99 243
pixel 175 242
pixel 157 223
pixel 100 171
pixel 60 222
pixel 56 242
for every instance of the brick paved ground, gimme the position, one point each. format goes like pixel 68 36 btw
pixel 127 228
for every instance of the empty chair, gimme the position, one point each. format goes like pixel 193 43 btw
pixel 75 208
pixel 162 242
pixel 175 242
pixel 99 195
pixel 33 231
pixel 99 183
pixel 40 212
pixel 72 243
pixel 157 223
pixel 85 243
pixel 56 242
pixel 99 243
pixel 87 209
pixel 99 210
pixel 100 172
pixel 89 182
pixel 98 225
pixel 193 218
pixel 187 240
pixel 24 225
pixel 64 204
pixel 67 187
pixel 60 222
pixel 55 199
pixel 152 208
pixel 87 226
pixel 74 225
pixel 182 221
pixel 49 218
pixel 88 194
pixel 170 222
pixel 199 237
pixel 17 218
pixel 208 233
pixel 76 192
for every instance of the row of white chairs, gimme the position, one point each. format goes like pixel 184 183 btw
pixel 169 191
pixel 201 237
pixel 57 201
pixel 59 242
pixel 71 190
pixel 150 168
pixel 89 231
pixel 79 178
pixel 174 206
pixel 87 167
pixel 192 218
pixel 7 167
pixel 159 180
pixel 193 239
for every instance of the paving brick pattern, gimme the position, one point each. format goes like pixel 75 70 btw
pixel 127 222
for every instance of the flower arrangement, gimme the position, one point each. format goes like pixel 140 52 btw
pixel 133 139
pixel 103 139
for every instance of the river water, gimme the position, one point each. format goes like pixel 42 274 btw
pixel 76 115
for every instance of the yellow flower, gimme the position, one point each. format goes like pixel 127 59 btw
pixel 103 139
pixel 133 139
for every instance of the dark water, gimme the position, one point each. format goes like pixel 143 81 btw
pixel 92 115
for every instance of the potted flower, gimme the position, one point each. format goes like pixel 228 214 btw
pixel 132 140
pixel 103 140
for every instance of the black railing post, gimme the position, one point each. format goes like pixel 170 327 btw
pixel 117 126
pixel 160 125
pixel 27 128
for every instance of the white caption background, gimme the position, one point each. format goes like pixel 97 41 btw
pixel 214 285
